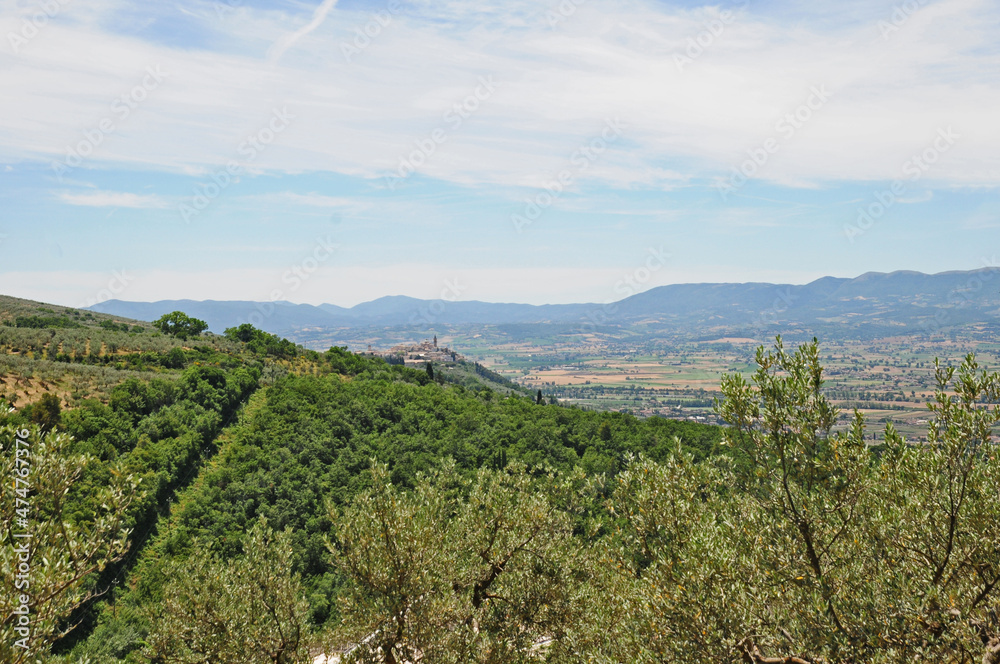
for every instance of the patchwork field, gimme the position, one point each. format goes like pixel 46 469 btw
pixel 888 379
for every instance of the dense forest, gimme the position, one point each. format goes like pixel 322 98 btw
pixel 237 498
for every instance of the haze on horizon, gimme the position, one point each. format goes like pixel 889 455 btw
pixel 534 152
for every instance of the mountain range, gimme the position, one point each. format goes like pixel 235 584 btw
pixel 873 304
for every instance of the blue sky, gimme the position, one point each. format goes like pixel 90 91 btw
pixel 526 151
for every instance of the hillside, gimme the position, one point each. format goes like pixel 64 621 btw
pixel 239 499
pixel 218 430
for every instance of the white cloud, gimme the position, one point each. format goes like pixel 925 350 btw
pixel 557 87
pixel 115 199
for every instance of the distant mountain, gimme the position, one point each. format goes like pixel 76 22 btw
pixel 284 317
pixel 872 304
pixel 270 316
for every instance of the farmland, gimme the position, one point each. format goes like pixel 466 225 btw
pixel 888 379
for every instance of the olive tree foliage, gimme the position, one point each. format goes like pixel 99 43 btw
pixel 806 546
pixel 670 584
pixel 51 572
pixel 939 532
pixel 247 610
pixel 803 500
pixel 457 570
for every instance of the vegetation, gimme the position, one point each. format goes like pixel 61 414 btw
pixel 480 569
pixel 180 325
pixel 247 609
pixel 46 574
pixel 262 343
pixel 247 500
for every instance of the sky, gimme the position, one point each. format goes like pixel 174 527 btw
pixel 516 151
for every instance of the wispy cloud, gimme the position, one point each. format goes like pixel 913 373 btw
pixel 115 199
pixel 285 42
pixel 305 200
pixel 919 198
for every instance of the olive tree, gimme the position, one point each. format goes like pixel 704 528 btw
pixel 457 570
pixel 938 538
pixel 801 493
pixel 48 557
pixel 670 585
pixel 245 610
pixel 803 545
pixel 858 556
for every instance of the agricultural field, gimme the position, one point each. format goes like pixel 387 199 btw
pixel 650 370
pixel 888 379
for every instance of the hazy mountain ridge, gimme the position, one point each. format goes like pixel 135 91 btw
pixel 903 302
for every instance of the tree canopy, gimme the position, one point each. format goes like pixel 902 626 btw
pixel 179 324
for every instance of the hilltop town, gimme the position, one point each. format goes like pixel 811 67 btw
pixel 419 354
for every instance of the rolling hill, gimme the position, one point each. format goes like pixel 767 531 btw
pixel 873 304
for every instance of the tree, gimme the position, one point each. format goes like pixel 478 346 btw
pixel 804 546
pixel 53 565
pixel 942 534
pixel 45 412
pixel 851 557
pixel 245 333
pixel 260 342
pixel 246 610
pixel 458 571
pixel 430 371
pixel 671 587
pixel 804 493
pixel 180 325
pixel 604 432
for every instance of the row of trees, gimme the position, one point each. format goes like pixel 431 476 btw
pixel 96 480
pixel 801 547
pixel 308 439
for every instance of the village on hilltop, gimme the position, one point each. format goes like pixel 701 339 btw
pixel 419 354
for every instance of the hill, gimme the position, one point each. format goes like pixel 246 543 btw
pixel 240 499
pixel 871 305
pixel 193 437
